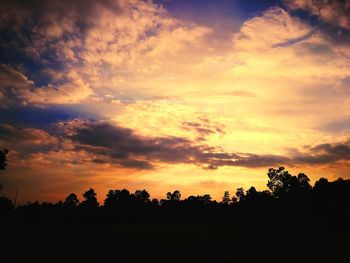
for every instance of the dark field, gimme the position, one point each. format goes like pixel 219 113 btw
pixel 293 222
pixel 173 243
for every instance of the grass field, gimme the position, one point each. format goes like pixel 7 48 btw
pixel 172 243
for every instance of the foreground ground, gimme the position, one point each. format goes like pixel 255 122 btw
pixel 173 243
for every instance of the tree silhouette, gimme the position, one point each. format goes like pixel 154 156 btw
pixel 304 182
pixel 226 197
pixel 205 198
pixel 90 199
pixel 288 196
pixel 3 161
pixel 154 202
pixel 142 197
pixel 5 204
pixel 252 194
pixel 240 194
pixel 71 201
pixel 175 196
pixel 123 198
pixel 281 182
pixel 118 198
pixel 321 184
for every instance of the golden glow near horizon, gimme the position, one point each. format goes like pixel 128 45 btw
pixel 276 85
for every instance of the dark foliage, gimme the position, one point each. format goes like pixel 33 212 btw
pixel 71 201
pixel 5 204
pixel 124 199
pixel 290 197
pixel 3 163
pixel 90 199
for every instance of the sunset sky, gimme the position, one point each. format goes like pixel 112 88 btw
pixel 201 96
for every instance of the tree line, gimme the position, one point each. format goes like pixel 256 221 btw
pixel 287 194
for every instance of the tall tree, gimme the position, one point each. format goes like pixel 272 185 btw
pixel 281 182
pixel 3 161
pixel 240 194
pixel 226 197
pixel 90 199
pixel 175 196
pixel 118 198
pixel 142 197
pixel 71 200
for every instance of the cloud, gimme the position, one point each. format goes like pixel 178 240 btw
pixel 334 11
pixel 326 153
pixel 296 40
pixel 338 126
pixel 203 127
pixel 66 51
pixel 38 117
pixel 12 85
pixel 17 89
pixel 55 18
pixel 275 26
pixel 26 140
pixel 343 86
pixel 68 93
pixel 122 146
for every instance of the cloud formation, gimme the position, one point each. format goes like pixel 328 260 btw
pixel 333 11
pixel 326 153
pixel 62 52
pixel 203 127
pixel 102 142
pixel 26 141
pixel 56 18
pixel 122 146
pixel 17 89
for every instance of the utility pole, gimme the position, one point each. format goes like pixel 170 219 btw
pixel 15 201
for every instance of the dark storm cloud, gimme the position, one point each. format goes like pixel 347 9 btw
pixel 49 12
pixel 332 11
pixel 324 154
pixel 26 140
pixel 122 146
pixel 333 16
pixel 104 143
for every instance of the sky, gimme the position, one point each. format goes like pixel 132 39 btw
pixel 200 96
